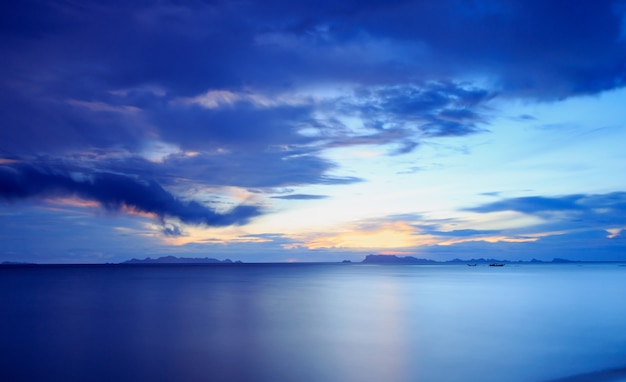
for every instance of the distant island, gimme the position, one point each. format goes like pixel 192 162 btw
pixel 393 259
pixel 179 260
pixel 369 259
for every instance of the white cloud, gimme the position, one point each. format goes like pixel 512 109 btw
pixel 215 99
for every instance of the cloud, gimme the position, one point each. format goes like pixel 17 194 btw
pixel 463 232
pixel 300 197
pixel 244 127
pixel 408 231
pixel 215 99
pixel 386 115
pixel 405 114
pixel 567 212
pixel 114 192
pixel 533 204
pixel 86 74
pixel 488 239
pixel 529 48
pixel 172 230
pixel 248 169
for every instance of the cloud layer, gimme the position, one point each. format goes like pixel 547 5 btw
pixel 104 74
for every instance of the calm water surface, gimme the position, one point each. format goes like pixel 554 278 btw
pixel 313 322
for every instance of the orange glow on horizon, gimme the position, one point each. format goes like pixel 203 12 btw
pixel 387 236
pixel 178 241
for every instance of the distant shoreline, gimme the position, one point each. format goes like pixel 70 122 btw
pixel 369 259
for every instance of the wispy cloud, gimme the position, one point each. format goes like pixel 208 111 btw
pixel 579 209
pixel 300 197
pixel 214 99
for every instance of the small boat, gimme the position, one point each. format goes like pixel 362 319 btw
pixel 496 265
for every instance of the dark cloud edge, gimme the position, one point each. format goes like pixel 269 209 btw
pixel 114 192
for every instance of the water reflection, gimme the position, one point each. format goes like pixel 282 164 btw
pixel 311 323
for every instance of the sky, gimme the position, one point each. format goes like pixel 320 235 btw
pixel 302 131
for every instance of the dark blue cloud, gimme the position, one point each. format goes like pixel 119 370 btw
pixel 42 124
pixel 67 64
pixel 527 47
pixel 533 204
pixel 246 169
pixel 423 106
pixel 114 192
pixel 569 211
pixel 244 127
pixel 537 48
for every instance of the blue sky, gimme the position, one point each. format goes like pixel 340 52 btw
pixel 312 130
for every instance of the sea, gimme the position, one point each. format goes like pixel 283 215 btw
pixel 313 322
